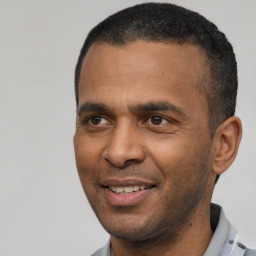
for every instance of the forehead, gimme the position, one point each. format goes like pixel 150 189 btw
pixel 153 70
pixel 144 54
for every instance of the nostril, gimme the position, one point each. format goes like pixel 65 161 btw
pixel 131 161
pixel 122 165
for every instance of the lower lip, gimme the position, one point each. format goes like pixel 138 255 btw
pixel 128 199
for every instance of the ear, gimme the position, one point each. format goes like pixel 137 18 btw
pixel 226 142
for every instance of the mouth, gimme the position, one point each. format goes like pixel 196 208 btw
pixel 128 189
pixel 126 192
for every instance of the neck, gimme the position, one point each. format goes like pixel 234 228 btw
pixel 192 238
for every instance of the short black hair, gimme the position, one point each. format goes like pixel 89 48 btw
pixel 165 22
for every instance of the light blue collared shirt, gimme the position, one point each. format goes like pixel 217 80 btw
pixel 224 241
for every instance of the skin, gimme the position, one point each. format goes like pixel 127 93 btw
pixel 142 119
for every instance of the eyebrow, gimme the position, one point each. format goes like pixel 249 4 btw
pixel 148 106
pixel 158 106
pixel 92 106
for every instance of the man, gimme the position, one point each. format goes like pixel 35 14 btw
pixel 156 92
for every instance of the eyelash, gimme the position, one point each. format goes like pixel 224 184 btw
pixel 162 119
pixel 89 119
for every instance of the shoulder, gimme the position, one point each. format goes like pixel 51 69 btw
pixel 250 252
pixel 225 241
pixel 239 249
pixel 104 251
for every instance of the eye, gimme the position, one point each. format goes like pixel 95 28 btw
pixel 97 120
pixel 157 120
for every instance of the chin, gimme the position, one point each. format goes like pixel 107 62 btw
pixel 132 234
pixel 135 230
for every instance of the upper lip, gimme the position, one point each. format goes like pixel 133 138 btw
pixel 126 182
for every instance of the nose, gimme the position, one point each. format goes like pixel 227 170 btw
pixel 124 146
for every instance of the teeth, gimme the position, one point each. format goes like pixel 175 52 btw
pixel 136 188
pixel 119 190
pixel 126 190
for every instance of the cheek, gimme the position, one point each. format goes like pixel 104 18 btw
pixel 87 153
pixel 177 160
pixel 87 150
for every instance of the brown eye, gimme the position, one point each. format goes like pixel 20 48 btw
pixel 95 120
pixel 156 120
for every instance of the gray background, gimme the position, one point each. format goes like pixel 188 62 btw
pixel 43 209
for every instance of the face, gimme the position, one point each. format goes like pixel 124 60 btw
pixel 142 143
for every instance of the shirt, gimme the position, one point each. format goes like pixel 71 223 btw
pixel 223 243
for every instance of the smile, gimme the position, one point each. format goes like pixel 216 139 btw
pixel 126 190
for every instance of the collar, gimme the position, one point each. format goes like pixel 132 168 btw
pixel 223 243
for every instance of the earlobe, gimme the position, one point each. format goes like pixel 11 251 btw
pixel 226 142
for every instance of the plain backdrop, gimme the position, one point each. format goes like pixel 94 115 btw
pixel 43 210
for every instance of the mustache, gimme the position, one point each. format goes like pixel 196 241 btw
pixel 129 171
